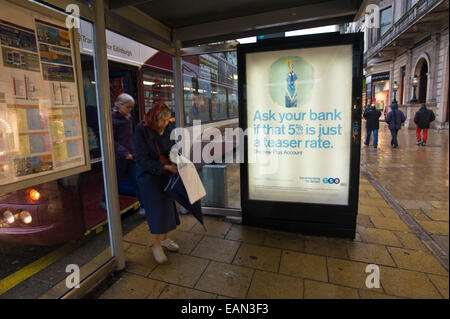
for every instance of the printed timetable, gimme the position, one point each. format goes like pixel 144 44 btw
pixel 40 120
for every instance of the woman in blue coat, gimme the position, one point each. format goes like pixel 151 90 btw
pixel 152 143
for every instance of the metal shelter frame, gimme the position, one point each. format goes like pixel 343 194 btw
pixel 204 32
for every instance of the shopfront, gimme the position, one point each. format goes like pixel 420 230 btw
pixel 379 92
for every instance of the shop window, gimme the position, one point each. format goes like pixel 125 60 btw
pixel 408 5
pixel 381 95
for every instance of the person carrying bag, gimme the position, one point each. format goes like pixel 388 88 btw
pixel 153 170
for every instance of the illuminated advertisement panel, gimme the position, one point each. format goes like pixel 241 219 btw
pixel 300 117
pixel 300 108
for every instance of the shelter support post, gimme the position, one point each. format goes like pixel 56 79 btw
pixel 106 134
pixel 178 85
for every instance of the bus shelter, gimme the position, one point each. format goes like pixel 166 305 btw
pixel 179 29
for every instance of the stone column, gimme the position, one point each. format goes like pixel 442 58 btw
pixel 391 82
pixel 408 75
pixel 408 88
pixel 433 68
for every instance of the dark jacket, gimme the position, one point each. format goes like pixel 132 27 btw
pixel 372 119
pixel 160 210
pixel 123 134
pixel 146 155
pixel 395 118
pixel 424 117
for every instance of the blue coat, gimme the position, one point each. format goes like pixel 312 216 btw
pixel 123 134
pixel 160 209
pixel 395 118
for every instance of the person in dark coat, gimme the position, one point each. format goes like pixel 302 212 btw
pixel 423 118
pixel 395 118
pixel 123 145
pixel 372 116
pixel 153 169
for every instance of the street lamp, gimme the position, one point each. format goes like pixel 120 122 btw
pixel 415 83
pixel 395 88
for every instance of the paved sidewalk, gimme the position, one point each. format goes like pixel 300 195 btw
pixel 235 261
pixel 416 177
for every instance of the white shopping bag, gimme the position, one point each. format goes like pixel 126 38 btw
pixel 191 180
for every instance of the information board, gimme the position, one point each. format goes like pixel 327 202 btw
pixel 41 129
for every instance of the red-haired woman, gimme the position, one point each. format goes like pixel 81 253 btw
pixel 152 146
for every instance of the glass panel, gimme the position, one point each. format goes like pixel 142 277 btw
pixel 158 87
pixel 46 227
pixel 210 82
pixel 210 95
pixel 233 110
pixel 46 236
pixel 385 20
pixel 219 103
pixel 408 5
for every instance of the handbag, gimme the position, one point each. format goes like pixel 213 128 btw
pixel 162 158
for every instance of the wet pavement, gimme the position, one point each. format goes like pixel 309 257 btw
pixel 417 177
pixel 402 227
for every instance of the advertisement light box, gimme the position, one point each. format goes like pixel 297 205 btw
pixel 299 114
pixel 300 105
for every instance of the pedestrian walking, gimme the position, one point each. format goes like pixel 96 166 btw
pixel 372 116
pixel 395 118
pixel 124 146
pixel 153 169
pixel 423 118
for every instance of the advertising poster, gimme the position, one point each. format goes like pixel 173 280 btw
pixel 40 121
pixel 299 124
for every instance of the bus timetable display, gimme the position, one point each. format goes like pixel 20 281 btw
pixel 40 121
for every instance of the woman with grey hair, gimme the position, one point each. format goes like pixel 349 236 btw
pixel 123 145
pixel 153 169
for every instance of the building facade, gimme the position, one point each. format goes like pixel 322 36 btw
pixel 406 56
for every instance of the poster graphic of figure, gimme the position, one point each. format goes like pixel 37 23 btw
pixel 291 87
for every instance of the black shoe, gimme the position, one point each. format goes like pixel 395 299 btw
pixel 419 142
pixel 395 146
pixel 423 143
pixel 374 146
pixel 366 144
